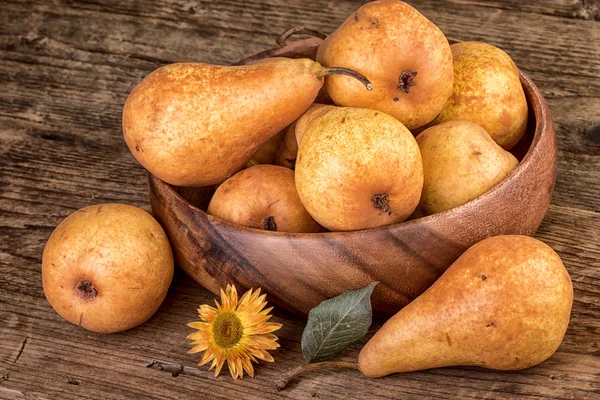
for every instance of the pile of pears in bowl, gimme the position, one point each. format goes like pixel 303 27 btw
pixel 381 152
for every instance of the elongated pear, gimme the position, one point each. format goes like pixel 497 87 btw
pixel 504 304
pixel 193 124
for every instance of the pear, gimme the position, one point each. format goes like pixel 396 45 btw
pixel 193 124
pixel 288 151
pixel 356 168
pixel 504 304
pixel 262 197
pixel 313 112
pixel 406 57
pixel 460 162
pixel 267 153
pixel 487 91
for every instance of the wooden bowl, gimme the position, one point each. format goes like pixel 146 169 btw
pixel 300 270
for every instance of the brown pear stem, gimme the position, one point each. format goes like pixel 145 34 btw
pixel 294 372
pixel 345 71
pixel 298 30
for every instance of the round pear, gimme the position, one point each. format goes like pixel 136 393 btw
pixel 107 268
pixel 406 57
pixel 460 162
pixel 357 168
pixel 263 197
pixel 488 92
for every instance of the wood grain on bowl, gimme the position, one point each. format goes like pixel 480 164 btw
pixel 300 270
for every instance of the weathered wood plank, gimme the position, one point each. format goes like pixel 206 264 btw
pixel 65 70
pixel 583 9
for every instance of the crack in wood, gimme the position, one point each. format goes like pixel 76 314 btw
pixel 4 377
pixel 178 369
pixel 21 349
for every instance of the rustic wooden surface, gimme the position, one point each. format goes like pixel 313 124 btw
pixel 65 70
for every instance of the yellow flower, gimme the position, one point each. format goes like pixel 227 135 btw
pixel 235 331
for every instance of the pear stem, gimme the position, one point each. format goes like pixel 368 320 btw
pixel 294 372
pixel 345 71
pixel 298 30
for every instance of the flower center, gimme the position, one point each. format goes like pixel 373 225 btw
pixel 227 329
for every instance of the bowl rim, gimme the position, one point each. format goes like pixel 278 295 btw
pixel 533 96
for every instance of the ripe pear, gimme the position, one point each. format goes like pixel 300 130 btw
pixel 487 91
pixel 313 112
pixel 107 267
pixel 356 168
pixel 193 124
pixel 406 57
pixel 263 197
pixel 504 304
pixel 288 151
pixel 460 162
pixel 267 153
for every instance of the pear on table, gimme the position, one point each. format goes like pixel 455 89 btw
pixel 504 304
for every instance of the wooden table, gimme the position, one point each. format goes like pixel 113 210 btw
pixel 66 68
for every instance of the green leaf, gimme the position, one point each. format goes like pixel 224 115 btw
pixel 336 323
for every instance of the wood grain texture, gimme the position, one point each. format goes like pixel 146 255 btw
pixel 301 270
pixel 66 68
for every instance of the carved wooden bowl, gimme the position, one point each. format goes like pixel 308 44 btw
pixel 300 270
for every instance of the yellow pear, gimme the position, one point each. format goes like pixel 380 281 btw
pixel 487 91
pixel 288 151
pixel 267 153
pixel 193 124
pixel 263 197
pixel 356 168
pixel 504 304
pixel 313 112
pixel 460 162
pixel 406 57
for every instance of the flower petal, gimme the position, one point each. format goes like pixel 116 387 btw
pixel 198 348
pixel 207 313
pixel 198 325
pixel 207 356
pixel 201 334
pixel 267 327
pixel 247 364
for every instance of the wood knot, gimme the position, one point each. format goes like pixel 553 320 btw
pixel 593 134
pixel 73 381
